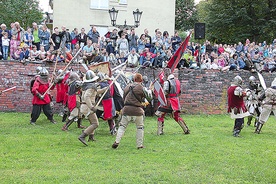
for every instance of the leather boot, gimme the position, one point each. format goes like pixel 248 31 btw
pixel 64 117
pixel 64 128
pixel 258 128
pixel 91 138
pixel 184 126
pixel 249 120
pixel 160 126
pixel 82 138
pixel 79 124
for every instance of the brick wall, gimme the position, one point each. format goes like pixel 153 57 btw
pixel 203 92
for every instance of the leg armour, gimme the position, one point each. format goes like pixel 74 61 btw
pixel 183 125
pixel 258 128
pixel 160 126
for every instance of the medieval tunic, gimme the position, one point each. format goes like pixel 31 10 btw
pixel 236 104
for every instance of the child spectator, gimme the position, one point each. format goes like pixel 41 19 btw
pixel 13 46
pixel 34 54
pixel 5 45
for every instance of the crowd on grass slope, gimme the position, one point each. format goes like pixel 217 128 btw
pixel 116 47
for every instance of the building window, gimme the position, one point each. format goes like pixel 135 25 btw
pixel 122 1
pixel 99 4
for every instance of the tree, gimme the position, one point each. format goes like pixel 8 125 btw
pixel 237 20
pixel 185 15
pixel 23 11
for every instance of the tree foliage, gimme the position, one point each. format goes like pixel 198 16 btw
pixel 237 20
pixel 23 11
pixel 185 15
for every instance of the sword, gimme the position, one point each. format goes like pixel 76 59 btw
pixel 119 66
pixel 8 89
pixel 262 81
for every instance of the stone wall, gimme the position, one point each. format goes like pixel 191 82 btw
pixel 203 92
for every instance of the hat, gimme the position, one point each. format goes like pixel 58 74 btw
pixel 138 77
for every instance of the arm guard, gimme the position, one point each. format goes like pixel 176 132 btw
pixel 147 93
pixel 238 91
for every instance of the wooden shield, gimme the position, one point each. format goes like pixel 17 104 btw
pixel 101 67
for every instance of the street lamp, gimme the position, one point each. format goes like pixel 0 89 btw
pixel 113 17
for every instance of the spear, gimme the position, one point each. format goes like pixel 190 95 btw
pixel 7 90
pixel 62 72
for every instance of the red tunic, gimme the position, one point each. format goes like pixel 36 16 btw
pixel 40 87
pixel 173 99
pixel 234 100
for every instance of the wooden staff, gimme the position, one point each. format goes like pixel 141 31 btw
pixel 62 72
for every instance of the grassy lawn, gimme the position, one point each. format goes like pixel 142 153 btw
pixel 210 154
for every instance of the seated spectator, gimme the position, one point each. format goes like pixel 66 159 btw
pixel 221 61
pixel 241 62
pixel 185 60
pixel 88 52
pixel 34 55
pixel 112 60
pixel 25 54
pixel 233 62
pixel 121 58
pixel 158 60
pixel 43 53
pixel 133 58
pixel 146 55
pixel 80 53
pixel 16 55
pixel 257 62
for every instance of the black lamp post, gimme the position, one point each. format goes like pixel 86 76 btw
pixel 113 17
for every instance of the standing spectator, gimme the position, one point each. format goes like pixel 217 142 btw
pixel 82 38
pixel 56 38
pixel 146 32
pixel 74 35
pixel 176 40
pixel 19 33
pixel 236 106
pixel 141 43
pixel 123 44
pixel 68 40
pixel 44 36
pixel 134 95
pixel 36 32
pixel 28 37
pixel 113 39
pixel 13 46
pixel 5 45
pixel 94 35
pixel 3 30
pixel 132 39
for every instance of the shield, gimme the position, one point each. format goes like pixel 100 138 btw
pixel 103 67
pixel 262 81
pixel 159 93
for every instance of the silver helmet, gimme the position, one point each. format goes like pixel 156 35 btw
pixel 90 76
pixel 43 72
pixel 252 79
pixel 171 76
pixel 74 76
pixel 102 76
pixel 38 69
pixel 237 80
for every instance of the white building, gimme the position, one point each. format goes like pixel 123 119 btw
pixel 83 13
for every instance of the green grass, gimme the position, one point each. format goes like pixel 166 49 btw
pixel 210 154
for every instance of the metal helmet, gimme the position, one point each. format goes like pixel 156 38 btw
pixel 252 79
pixel 60 71
pixel 73 76
pixel 171 76
pixel 145 79
pixel 90 76
pixel 38 69
pixel 237 80
pixel 43 72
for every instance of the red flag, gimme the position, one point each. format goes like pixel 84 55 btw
pixel 178 54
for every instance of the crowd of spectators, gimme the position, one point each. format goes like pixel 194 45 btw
pixel 116 47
